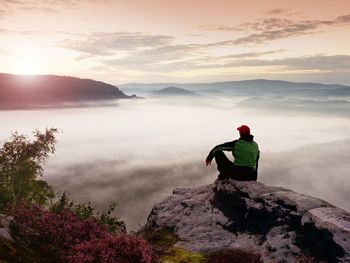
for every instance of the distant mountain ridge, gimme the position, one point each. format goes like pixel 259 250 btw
pixel 21 91
pixel 175 91
pixel 254 87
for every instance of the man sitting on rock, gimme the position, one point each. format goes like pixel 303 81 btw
pixel 246 153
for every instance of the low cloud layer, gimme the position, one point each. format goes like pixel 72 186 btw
pixel 134 185
pixel 320 170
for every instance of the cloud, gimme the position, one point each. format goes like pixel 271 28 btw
pixel 281 12
pixel 103 44
pixel 151 53
pixel 317 62
pixel 39 34
pixel 219 28
pixel 48 6
pixel 343 19
pixel 158 56
pixel 276 11
pixel 180 57
pixel 321 63
pixel 133 185
pixel 140 47
pixel 2 12
pixel 248 55
pixel 269 29
pixel 320 170
pixel 192 57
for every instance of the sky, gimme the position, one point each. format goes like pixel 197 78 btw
pixel 119 41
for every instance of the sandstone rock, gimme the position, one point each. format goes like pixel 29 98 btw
pixel 5 232
pixel 275 222
pixel 334 222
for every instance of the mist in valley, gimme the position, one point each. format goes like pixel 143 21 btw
pixel 136 152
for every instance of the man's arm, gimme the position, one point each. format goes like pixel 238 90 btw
pixel 228 146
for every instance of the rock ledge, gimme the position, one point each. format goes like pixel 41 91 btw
pixel 275 222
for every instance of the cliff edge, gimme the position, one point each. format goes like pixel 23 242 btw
pixel 274 222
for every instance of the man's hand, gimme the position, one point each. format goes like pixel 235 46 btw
pixel 207 162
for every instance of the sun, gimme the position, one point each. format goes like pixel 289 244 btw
pixel 29 59
pixel 28 66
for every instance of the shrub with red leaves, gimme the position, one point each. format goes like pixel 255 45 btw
pixel 62 229
pixel 112 249
pixel 78 240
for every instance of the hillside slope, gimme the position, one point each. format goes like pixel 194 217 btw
pixel 19 91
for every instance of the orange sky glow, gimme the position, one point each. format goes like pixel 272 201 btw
pixel 120 41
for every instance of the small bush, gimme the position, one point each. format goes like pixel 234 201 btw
pixel 21 163
pixel 62 229
pixel 85 211
pixel 112 249
pixel 70 238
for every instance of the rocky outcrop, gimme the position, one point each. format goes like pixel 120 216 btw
pixel 5 222
pixel 277 223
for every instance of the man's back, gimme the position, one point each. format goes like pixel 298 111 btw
pixel 245 152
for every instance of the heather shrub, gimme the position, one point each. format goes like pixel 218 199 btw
pixel 86 211
pixel 62 229
pixel 112 249
pixel 74 239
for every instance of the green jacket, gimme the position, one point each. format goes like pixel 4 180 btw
pixel 245 151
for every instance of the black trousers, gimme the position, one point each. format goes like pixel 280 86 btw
pixel 230 171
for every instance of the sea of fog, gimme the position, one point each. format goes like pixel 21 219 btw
pixel 135 152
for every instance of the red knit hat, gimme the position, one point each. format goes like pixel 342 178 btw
pixel 244 129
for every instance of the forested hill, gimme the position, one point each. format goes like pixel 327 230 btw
pixel 23 91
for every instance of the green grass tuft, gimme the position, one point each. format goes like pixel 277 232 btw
pixel 163 238
pixel 178 255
